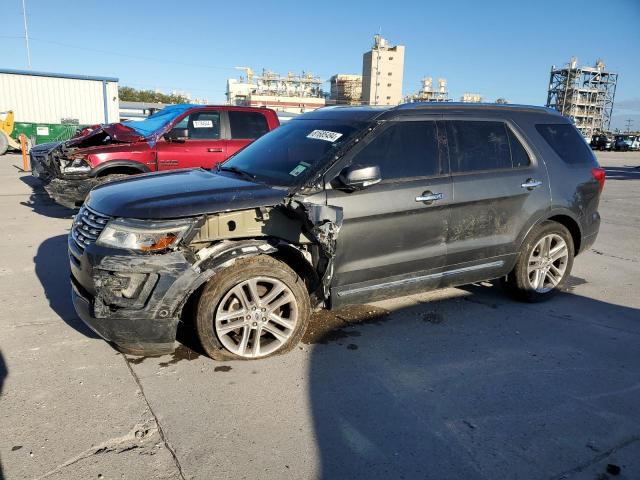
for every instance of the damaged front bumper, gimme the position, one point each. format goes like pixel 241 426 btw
pixel 67 190
pixel 132 301
pixel 70 192
pixel 135 300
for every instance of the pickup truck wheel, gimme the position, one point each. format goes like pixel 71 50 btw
pixel 253 309
pixel 544 263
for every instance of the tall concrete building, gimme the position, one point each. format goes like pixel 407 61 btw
pixel 382 71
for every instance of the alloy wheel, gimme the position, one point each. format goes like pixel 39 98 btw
pixel 547 263
pixel 256 317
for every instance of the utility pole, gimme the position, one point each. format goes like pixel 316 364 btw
pixel 26 33
pixel 629 122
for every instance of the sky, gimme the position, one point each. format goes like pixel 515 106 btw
pixel 495 48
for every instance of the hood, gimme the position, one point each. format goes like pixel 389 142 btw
pixel 110 148
pixel 180 193
pixel 43 148
pixel 117 132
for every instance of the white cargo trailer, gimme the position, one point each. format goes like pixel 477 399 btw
pixel 54 98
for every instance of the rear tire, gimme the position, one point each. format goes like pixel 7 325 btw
pixel 256 308
pixel 544 263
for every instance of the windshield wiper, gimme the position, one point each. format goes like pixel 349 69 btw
pixel 237 170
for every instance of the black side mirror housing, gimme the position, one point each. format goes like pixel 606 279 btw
pixel 177 135
pixel 357 177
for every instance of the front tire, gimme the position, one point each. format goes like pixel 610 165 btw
pixel 255 308
pixel 544 263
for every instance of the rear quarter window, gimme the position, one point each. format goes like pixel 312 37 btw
pixel 567 142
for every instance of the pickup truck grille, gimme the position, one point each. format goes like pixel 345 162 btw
pixel 87 226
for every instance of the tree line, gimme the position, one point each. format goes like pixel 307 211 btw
pixel 129 94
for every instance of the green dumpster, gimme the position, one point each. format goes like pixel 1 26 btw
pixel 44 132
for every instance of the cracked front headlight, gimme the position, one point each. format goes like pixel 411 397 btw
pixel 144 236
pixel 79 165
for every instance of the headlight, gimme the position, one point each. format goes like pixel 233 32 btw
pixel 144 236
pixel 79 165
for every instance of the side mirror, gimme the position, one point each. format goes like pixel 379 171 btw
pixel 357 177
pixel 177 135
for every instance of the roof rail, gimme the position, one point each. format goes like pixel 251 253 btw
pixel 474 106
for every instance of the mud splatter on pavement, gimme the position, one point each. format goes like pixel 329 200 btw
pixel 135 360
pixel 180 353
pixel 222 368
pixel 331 326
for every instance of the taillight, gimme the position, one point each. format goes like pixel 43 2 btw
pixel 599 174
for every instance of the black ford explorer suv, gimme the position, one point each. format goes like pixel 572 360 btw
pixel 339 206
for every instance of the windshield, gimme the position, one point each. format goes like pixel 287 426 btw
pixel 291 153
pixel 158 120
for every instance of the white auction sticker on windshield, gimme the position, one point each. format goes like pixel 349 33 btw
pixel 325 135
pixel 202 124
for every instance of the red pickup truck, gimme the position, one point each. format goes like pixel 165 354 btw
pixel 178 136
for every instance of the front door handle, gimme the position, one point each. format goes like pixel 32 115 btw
pixel 428 197
pixel 530 184
pixel 212 150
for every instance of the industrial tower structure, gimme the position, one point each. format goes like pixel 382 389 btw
pixel 429 94
pixel 287 93
pixel 584 94
pixel 346 89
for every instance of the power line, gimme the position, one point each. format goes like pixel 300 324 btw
pixel 629 122
pixel 26 33
pixel 126 55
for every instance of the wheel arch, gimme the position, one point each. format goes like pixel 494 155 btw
pixel 127 167
pixel 565 218
pixel 225 254
pixel 574 229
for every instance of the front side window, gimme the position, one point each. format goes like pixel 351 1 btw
pixel 478 145
pixel 403 150
pixel 201 125
pixel 247 125
pixel 291 153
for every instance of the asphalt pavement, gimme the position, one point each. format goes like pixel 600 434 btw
pixel 459 383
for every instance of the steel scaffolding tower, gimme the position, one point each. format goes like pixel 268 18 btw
pixel 585 94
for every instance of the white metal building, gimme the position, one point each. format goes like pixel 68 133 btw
pixel 41 97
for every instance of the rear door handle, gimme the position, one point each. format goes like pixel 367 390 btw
pixel 530 184
pixel 428 197
pixel 212 150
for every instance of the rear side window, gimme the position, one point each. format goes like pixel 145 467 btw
pixel 519 156
pixel 478 145
pixel 247 124
pixel 566 142
pixel 404 150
